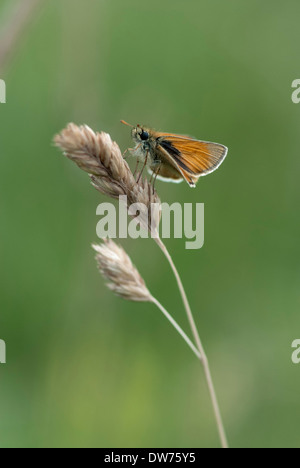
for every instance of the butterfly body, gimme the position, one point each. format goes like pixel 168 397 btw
pixel 173 157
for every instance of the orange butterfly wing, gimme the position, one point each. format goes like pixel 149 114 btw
pixel 192 158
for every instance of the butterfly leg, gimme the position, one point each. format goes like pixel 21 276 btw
pixel 145 163
pixel 151 178
pixel 125 152
pixel 156 174
pixel 136 167
pixel 153 172
pixel 132 150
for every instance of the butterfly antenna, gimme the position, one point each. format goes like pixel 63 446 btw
pixel 125 123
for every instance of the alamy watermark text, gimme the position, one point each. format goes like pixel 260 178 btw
pixel 2 352
pixel 177 221
pixel 2 92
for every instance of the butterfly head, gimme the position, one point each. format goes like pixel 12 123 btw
pixel 139 134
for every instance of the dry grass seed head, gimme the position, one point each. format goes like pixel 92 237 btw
pixel 122 276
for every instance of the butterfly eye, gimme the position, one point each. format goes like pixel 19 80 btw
pixel 144 135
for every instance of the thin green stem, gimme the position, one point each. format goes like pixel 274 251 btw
pixel 202 357
pixel 176 326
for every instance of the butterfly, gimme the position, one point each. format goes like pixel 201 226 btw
pixel 174 158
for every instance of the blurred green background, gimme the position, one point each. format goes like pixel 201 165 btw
pixel 85 369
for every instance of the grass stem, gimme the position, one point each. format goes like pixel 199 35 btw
pixel 202 357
